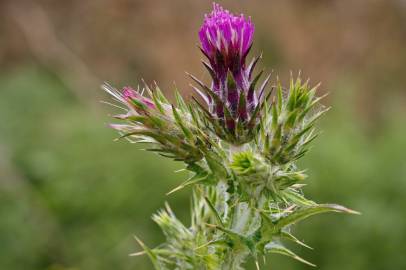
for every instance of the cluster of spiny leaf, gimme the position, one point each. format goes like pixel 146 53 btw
pixel 154 120
pixel 246 196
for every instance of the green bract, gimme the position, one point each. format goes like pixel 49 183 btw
pixel 245 197
pixel 240 148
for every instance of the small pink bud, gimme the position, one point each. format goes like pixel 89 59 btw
pixel 130 94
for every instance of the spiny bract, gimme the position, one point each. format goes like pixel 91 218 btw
pixel 240 148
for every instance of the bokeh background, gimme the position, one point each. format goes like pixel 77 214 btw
pixel 71 198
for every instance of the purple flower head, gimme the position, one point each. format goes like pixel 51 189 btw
pixel 226 40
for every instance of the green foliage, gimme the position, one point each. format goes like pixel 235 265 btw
pixel 70 198
pixel 249 185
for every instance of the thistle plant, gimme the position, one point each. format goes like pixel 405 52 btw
pixel 240 141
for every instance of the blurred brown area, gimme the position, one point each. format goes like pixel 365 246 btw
pixel 86 42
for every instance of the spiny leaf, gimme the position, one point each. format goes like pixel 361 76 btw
pixel 210 118
pixel 291 120
pixel 291 237
pixel 160 95
pixel 207 90
pixel 221 242
pixel 203 52
pixel 280 249
pixel 180 101
pixel 258 108
pixel 310 106
pixel 230 233
pixel 315 117
pixel 263 86
pixel 306 212
pixel 310 138
pixel 138 104
pixel 231 85
pixel 205 111
pixel 215 164
pixel 275 116
pixel 193 180
pixel 242 107
pixel 158 103
pixel 181 124
pixel 295 139
pixel 213 95
pixel 251 89
pixel 152 256
pixel 213 209
pixel 295 197
pixel 146 87
pixel 252 65
pixel 276 138
pixel 210 70
pixel 194 116
pixel 201 94
pixel 280 97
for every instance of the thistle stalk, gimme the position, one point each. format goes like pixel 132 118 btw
pixel 240 149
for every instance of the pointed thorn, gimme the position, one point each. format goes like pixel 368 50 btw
pixel 137 254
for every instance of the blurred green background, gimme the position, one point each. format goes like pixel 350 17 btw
pixel 71 198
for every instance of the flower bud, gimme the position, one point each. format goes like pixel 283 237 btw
pixel 136 100
pixel 226 40
pixel 232 99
